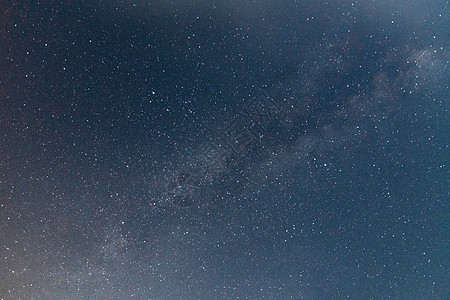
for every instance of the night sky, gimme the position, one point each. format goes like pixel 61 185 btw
pixel 224 149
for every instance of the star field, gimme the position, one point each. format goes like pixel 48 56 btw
pixel 224 150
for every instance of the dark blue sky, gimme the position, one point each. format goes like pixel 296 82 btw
pixel 202 150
